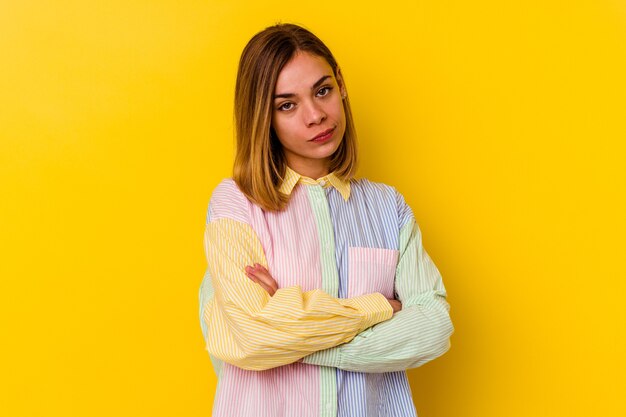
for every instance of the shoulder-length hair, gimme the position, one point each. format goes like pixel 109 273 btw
pixel 260 163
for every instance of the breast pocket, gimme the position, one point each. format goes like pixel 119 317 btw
pixel 371 270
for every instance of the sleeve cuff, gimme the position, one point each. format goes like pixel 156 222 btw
pixel 328 357
pixel 375 309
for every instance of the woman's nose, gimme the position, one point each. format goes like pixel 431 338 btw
pixel 314 114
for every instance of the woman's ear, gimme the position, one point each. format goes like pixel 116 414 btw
pixel 341 84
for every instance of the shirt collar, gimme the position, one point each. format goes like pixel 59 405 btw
pixel 292 178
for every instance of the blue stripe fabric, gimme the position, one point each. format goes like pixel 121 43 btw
pixel 371 218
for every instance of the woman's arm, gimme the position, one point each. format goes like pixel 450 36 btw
pixel 417 334
pixel 260 275
pixel 248 328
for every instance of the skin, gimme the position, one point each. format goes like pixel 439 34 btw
pixel 308 101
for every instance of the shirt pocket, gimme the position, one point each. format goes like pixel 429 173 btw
pixel 371 270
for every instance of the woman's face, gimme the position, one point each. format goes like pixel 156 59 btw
pixel 308 115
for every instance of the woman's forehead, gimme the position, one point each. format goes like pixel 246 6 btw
pixel 301 73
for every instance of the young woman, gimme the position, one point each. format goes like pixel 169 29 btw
pixel 318 293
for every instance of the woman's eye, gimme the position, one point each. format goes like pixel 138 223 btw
pixel 285 106
pixel 324 91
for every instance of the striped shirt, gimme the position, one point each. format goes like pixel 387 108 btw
pixel 327 343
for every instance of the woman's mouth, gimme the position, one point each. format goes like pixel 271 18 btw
pixel 323 136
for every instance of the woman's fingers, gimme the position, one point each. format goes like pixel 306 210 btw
pixel 257 280
pixel 269 290
pixel 395 305
pixel 261 276
pixel 264 275
pixel 267 280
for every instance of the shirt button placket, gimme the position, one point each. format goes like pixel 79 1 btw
pixel 330 283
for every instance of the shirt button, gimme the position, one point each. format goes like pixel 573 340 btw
pixel 322 182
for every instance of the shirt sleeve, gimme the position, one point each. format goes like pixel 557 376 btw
pixel 419 333
pixel 249 329
pixel 205 296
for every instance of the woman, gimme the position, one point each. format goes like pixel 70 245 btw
pixel 318 293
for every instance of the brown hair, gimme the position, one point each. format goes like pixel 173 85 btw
pixel 260 163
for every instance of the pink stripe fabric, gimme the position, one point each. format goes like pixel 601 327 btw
pixel 233 203
pixel 291 244
pixel 268 393
pixel 371 270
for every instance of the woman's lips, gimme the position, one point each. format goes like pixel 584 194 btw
pixel 324 136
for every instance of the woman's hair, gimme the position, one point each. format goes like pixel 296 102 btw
pixel 260 163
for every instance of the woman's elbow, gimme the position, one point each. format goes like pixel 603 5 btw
pixel 440 343
pixel 436 343
pixel 250 357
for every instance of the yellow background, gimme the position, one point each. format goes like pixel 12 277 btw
pixel 503 124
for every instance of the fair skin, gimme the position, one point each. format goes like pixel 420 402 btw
pixel 307 105
pixel 308 102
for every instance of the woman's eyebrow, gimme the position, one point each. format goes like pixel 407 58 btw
pixel 317 84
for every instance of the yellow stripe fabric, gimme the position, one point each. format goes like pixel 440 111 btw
pixel 292 178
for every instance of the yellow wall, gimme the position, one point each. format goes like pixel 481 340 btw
pixel 503 124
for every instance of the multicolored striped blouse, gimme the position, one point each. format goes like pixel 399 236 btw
pixel 327 343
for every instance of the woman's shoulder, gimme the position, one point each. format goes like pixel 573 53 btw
pixel 386 195
pixel 226 187
pixel 226 192
pixel 228 201
pixel 368 187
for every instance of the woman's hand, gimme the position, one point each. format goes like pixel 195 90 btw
pixel 396 305
pixel 261 276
